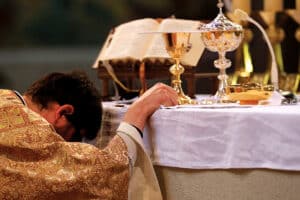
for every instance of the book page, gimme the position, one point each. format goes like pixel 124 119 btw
pixel 126 42
pixel 157 47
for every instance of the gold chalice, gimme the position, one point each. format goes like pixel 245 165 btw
pixel 221 35
pixel 177 44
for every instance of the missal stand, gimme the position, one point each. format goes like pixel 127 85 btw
pixel 134 53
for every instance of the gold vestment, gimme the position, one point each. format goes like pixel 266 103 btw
pixel 36 162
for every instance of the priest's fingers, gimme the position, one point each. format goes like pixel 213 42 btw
pixel 170 97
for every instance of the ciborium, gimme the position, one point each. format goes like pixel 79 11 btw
pixel 221 36
pixel 177 44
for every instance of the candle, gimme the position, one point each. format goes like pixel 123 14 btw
pixel 273 5
pixel 244 5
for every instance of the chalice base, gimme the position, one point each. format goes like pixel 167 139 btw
pixel 220 97
pixel 183 99
pixel 176 70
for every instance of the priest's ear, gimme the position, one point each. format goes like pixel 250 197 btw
pixel 64 110
pixel 62 125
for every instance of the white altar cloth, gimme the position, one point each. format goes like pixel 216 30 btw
pixel 219 138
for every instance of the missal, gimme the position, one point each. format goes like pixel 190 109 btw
pixel 141 40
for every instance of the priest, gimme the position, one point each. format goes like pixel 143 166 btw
pixel 41 156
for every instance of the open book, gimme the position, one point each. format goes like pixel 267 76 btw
pixel 127 42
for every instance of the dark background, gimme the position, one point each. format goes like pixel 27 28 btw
pixel 37 37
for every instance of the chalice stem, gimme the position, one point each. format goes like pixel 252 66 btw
pixel 222 82
pixel 176 71
pixel 222 64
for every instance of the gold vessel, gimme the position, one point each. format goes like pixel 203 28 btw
pixel 177 44
pixel 249 93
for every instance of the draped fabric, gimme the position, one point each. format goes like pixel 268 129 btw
pixel 143 184
pixel 36 163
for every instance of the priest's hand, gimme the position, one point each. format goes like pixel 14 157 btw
pixel 149 102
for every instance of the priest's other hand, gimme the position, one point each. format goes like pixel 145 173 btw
pixel 159 94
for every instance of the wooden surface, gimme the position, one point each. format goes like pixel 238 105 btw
pixel 129 74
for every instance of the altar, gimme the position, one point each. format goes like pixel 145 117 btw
pixel 220 152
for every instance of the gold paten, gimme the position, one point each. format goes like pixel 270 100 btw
pixel 249 93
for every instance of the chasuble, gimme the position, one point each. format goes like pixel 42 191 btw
pixel 36 162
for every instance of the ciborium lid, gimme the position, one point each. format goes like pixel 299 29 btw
pixel 220 23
